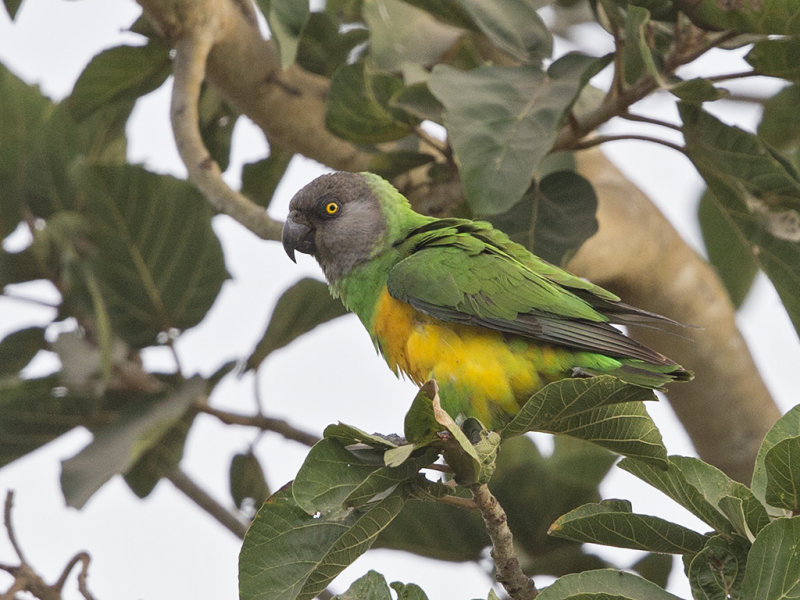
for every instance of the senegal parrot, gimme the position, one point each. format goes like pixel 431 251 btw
pixel 457 301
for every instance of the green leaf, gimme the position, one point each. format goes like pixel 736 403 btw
pixel 25 111
pixel 285 19
pixel 768 16
pixel 358 106
pixel 329 474
pixel 158 262
pixel 300 309
pixel 501 122
pixel 392 164
pixel 416 99
pixel 697 91
pixel 717 571
pixel 776 57
pixel 217 121
pixel 408 591
pixel 514 26
pixel 602 409
pixel 12 6
pixel 654 567
pixel 782 463
pixel 36 411
pixel 700 488
pixel 348 435
pixel 420 424
pixel 604 584
pixel 780 122
pixel 554 218
pixel 322 48
pixel 773 564
pixel 261 178
pixel 17 349
pixel 759 192
pixel 119 445
pixel 371 586
pixel 161 459
pixel 785 428
pixel 726 249
pixel 401 33
pixel 288 554
pixel 119 74
pixel 436 530
pixel 246 480
pixel 636 51
pixel 612 523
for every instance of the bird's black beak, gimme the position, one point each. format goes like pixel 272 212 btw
pixel 298 234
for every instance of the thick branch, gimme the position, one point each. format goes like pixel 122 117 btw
pixel 518 585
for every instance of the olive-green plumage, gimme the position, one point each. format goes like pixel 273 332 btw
pixel 458 301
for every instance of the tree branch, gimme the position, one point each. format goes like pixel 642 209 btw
pixel 518 585
pixel 261 422
pixel 200 497
pixel 189 65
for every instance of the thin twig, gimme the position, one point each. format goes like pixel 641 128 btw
pixel 200 497
pixel 629 116
pixel 458 502
pixel 261 422
pixel 191 54
pixel 12 537
pixel 602 139
pixel 84 559
pixel 739 75
pixel 509 573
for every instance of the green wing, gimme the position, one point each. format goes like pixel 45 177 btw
pixel 467 272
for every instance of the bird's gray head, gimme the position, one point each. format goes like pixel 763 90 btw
pixel 336 218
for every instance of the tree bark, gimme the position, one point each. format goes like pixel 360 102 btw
pixel 726 410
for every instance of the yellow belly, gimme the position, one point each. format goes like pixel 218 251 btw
pixel 480 372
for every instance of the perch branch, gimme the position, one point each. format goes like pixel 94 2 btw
pixel 509 573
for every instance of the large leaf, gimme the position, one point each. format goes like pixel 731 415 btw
pixel 288 554
pixel 604 584
pixel 773 564
pixel 300 309
pixel 501 122
pixel 762 16
pixel 371 586
pixel 717 571
pixel 782 463
pixel 358 106
pixel 514 26
pixel 785 428
pixel 780 122
pixel 118 446
pixel 158 262
pixel 24 112
pixel 758 191
pixel 726 249
pixel 602 409
pixel 123 73
pixel 322 48
pixel 554 217
pixel 706 492
pixel 36 411
pixel 401 33
pixel 612 523
pixel 776 57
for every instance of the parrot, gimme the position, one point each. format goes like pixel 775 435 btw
pixel 456 300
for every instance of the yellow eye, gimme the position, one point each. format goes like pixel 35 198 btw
pixel 332 208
